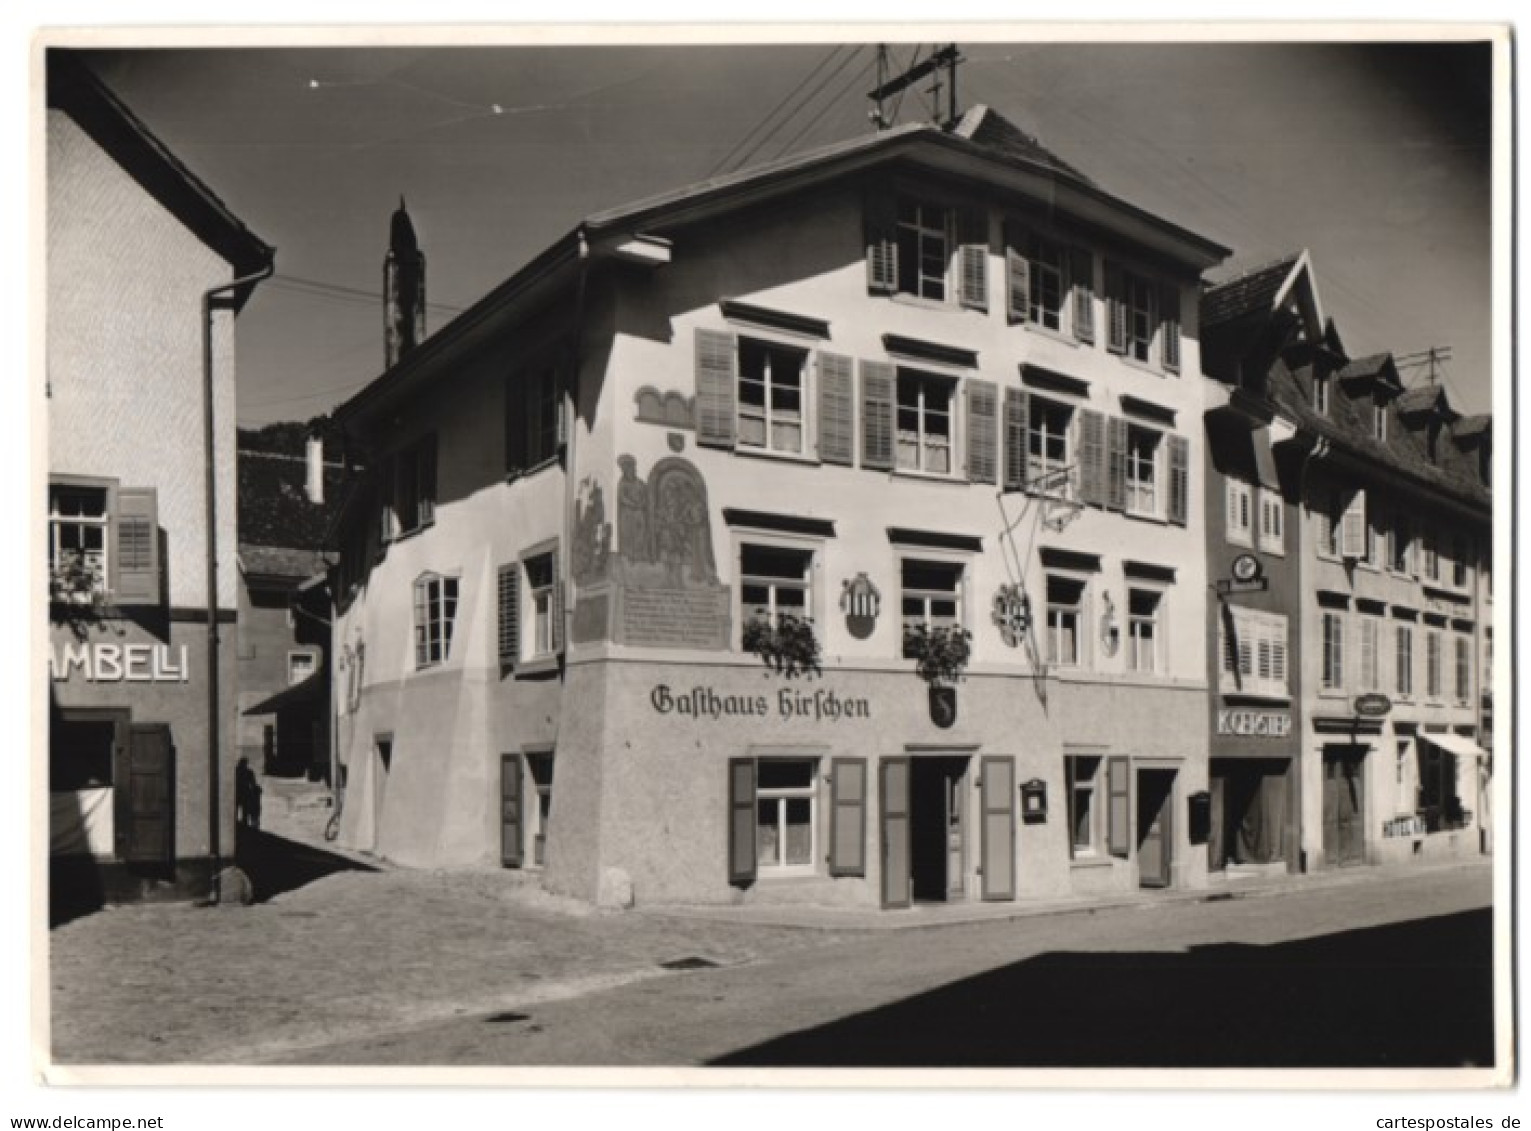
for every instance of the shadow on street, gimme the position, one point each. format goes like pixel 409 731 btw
pixel 275 864
pixel 1414 994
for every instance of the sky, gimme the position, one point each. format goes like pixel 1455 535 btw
pixel 1375 157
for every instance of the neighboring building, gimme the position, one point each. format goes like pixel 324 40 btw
pixel 284 605
pixel 1394 537
pixel 145 267
pixel 821 391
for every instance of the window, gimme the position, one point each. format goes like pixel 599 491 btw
pixel 1047 439
pixel 435 612
pixel 1344 531
pixel 1143 633
pixel 1141 317
pixel 541 582
pixel 414 491
pixel 1432 554
pixel 1254 652
pixel 1370 660
pixel 300 665
pixel 775 581
pixel 1240 520
pixel 534 423
pixel 1048 290
pixel 1084 812
pixel 1402 548
pixel 79 522
pixel 1321 394
pixel 1379 420
pixel 1403 677
pixel 1065 621
pixel 784 814
pixel 771 396
pixel 923 252
pixel 925 435
pixel 932 596
pixel 1332 676
pixel 1463 648
pixel 1459 561
pixel 1432 664
pixel 1142 470
pixel 1272 521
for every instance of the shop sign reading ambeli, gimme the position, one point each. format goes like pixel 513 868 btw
pixel 788 703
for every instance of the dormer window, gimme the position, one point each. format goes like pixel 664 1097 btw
pixel 1379 420
pixel 1321 394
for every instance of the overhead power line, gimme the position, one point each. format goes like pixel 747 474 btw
pixel 837 100
pixel 788 97
pixel 799 108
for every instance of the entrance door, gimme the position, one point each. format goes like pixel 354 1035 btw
pixel 1156 833
pixel 512 787
pixel 936 831
pixel 1344 819
pixel 893 789
pixel 146 828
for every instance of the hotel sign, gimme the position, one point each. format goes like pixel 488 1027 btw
pixel 1254 724
pixel 788 703
pixel 120 663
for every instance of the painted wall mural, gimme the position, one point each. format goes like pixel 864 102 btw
pixel 659 587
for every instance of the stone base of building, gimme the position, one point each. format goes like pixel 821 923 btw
pixel 79 885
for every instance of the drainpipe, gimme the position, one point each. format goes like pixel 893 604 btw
pixel 210 301
pixel 566 554
pixel 1316 451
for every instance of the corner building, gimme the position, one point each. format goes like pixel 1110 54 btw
pixel 935 377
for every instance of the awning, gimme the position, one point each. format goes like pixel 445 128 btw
pixel 311 691
pixel 1456 744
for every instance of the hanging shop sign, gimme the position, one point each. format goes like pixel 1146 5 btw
pixel 1372 705
pixel 821 705
pixel 1248 576
pixel 120 663
pixel 1254 724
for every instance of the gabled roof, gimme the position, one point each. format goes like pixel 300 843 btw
pixel 983 149
pixel 75 90
pixel 1253 292
pixel 1421 398
pixel 1470 429
pixel 1373 365
pixel 274 510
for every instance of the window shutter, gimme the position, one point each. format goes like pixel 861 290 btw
pixel 558 606
pixel 848 817
pixel 893 792
pixel 973 259
pixel 1015 439
pixel 1092 457
pixel 1118 806
pixel 387 524
pixel 1180 479
pixel 741 821
pixel 1116 463
pixel 877 415
pixel 515 425
pixel 879 218
pixel 982 431
pixel 1169 327
pixel 1116 309
pixel 510 614
pixel 837 409
pixel 426 488
pixel 1017 274
pixel 1353 528
pixel 1082 283
pixel 137 550
pixel 997 848
pixel 715 385
pixel 512 818
pixel 562 410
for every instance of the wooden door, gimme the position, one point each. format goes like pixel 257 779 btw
pixel 1344 827
pixel 893 790
pixel 145 808
pixel 997 798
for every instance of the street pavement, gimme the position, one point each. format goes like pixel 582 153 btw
pixel 407 967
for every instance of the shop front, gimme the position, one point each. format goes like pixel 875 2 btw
pixel 1253 824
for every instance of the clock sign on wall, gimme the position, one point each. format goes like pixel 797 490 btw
pixel 1247 574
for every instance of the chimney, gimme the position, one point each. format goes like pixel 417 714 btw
pixel 403 290
pixel 314 486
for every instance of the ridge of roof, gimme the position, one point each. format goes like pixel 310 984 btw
pixel 1248 292
pixel 1368 366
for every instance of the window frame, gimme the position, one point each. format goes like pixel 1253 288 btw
pixel 1403 660
pixel 1157 620
pixel 301 654
pixel 1269 503
pixel 1332 648
pixel 1040 465
pixel 1141 318
pixel 781 796
pixel 413 466
pixel 813 549
pixel 1435 665
pixel 806 389
pixel 1321 394
pixel 540 604
pixel 1157 484
pixel 924 377
pixel 963 566
pixel 920 233
pixel 1254 629
pixel 1053 613
pixel 429 636
pixel 1369 627
pixel 1075 784
pixel 1239 498
pixel 1038 247
pixel 59 484
pixel 1379 420
pixel 1462 650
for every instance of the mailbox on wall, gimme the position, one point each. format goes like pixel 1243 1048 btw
pixel 1034 801
pixel 1200 823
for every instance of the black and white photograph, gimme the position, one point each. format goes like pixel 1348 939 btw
pixel 929 556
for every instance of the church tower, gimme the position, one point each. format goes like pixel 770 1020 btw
pixel 403 290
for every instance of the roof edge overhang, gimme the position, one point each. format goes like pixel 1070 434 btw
pixel 1342 458
pixel 76 91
